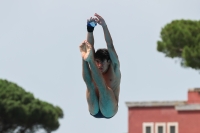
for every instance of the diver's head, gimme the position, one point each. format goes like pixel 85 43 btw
pixel 102 59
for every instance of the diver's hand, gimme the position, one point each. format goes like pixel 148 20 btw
pixel 91 20
pixel 100 20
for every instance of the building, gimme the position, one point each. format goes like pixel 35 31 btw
pixel 165 116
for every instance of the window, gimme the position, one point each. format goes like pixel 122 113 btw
pixel 160 127
pixel 172 127
pixel 148 127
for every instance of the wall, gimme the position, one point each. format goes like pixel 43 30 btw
pixel 189 121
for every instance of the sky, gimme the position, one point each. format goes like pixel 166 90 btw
pixel 39 50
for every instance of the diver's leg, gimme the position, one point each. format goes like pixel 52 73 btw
pixel 91 95
pixel 107 101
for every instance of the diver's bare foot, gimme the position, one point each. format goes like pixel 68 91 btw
pixel 86 51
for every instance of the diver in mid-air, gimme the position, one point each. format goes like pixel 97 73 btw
pixel 101 72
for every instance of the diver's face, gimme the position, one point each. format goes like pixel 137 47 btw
pixel 102 65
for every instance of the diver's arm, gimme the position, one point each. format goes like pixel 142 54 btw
pixel 90 36
pixel 108 39
pixel 90 29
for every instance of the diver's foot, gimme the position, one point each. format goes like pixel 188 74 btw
pixel 86 51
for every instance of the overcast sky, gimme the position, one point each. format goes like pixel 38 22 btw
pixel 39 50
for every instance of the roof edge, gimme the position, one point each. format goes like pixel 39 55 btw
pixel 194 89
pixel 188 107
pixel 154 103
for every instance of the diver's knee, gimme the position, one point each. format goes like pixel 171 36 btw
pixel 109 112
pixel 93 111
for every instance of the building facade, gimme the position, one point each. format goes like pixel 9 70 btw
pixel 165 116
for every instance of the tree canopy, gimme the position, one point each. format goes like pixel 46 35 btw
pixel 181 39
pixel 21 112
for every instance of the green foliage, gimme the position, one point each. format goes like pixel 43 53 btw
pixel 19 110
pixel 181 39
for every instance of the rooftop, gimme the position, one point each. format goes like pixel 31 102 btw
pixel 178 105
pixel 194 89
pixel 155 103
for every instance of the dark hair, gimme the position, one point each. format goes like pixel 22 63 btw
pixel 102 54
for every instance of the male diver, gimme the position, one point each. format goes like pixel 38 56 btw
pixel 101 72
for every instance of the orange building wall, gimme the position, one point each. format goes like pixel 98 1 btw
pixel 193 97
pixel 189 121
